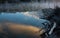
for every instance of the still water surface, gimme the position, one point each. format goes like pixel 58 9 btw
pixel 21 19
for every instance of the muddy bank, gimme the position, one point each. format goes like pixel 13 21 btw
pixel 12 30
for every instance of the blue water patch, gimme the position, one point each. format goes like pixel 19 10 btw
pixel 22 19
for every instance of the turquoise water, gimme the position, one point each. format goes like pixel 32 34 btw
pixel 22 19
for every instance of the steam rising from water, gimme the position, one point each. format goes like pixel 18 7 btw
pixel 34 14
pixel 31 14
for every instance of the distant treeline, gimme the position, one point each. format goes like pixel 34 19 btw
pixel 14 1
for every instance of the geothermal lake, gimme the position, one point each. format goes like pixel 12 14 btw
pixel 21 18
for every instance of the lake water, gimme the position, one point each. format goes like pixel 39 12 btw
pixel 21 18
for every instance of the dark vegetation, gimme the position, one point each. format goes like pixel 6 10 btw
pixel 55 17
pixel 57 14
